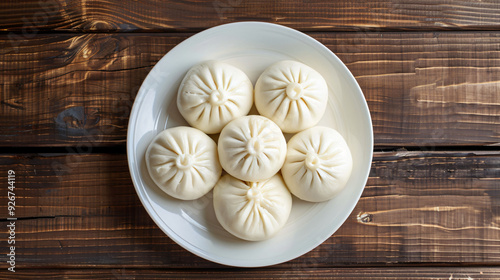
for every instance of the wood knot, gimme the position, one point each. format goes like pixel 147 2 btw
pixel 91 49
pixel 99 25
pixel 76 121
pixel 365 218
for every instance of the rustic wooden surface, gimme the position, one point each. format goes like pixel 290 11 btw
pixel 423 88
pixel 418 207
pixel 430 71
pixel 358 273
pixel 157 15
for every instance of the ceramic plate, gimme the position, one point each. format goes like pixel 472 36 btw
pixel 252 47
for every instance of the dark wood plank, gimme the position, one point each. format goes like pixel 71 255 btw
pixel 74 90
pixel 423 89
pixel 383 273
pixel 426 89
pixel 32 16
pixel 81 210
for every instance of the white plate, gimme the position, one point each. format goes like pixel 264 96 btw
pixel 251 46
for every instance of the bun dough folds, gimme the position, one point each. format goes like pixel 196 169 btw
pixel 212 94
pixel 318 164
pixel 291 94
pixel 183 162
pixel 252 211
pixel 252 148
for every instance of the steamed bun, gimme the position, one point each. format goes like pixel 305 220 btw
pixel 183 162
pixel 212 94
pixel 291 94
pixel 249 210
pixel 252 148
pixel 318 164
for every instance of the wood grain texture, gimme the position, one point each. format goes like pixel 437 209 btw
pixel 32 16
pixel 423 89
pixel 383 273
pixel 81 210
pixel 74 90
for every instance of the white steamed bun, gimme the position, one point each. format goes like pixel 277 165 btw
pixel 318 164
pixel 249 210
pixel 212 94
pixel 291 94
pixel 183 162
pixel 252 148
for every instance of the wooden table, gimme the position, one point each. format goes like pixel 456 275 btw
pixel 430 72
